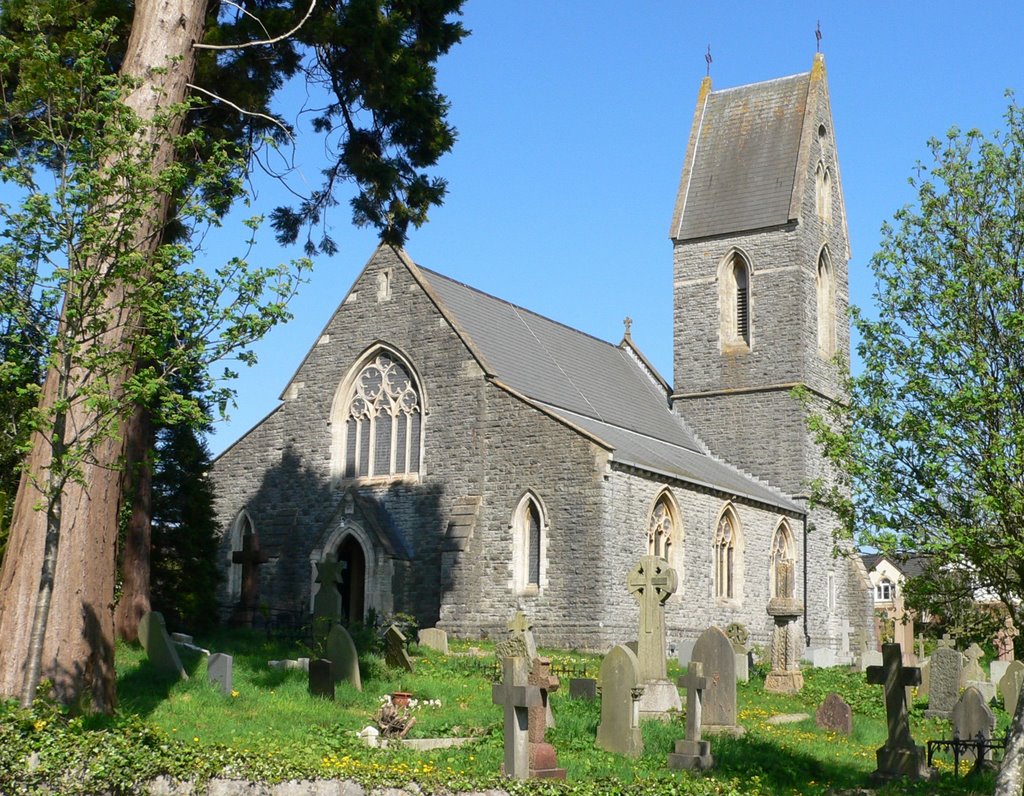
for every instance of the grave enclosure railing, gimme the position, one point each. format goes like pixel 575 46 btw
pixel 980 745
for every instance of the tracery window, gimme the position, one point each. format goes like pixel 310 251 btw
pixel 383 421
pixel 726 555
pixel 782 563
pixel 661 530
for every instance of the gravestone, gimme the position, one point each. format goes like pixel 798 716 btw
pixel 996 670
pixel 823 657
pixel 692 752
pixel 943 680
pixel 972 718
pixel 834 715
pixel 742 665
pixel 434 638
pixel 621 688
pixel 520 642
pixel 926 676
pixel 684 651
pixel 327 602
pixel 651 582
pixel 846 632
pixel 582 688
pixel 543 758
pixel 321 678
pixel 394 650
pixel 869 658
pixel 972 671
pixel 1009 686
pixel 218 671
pixel 900 757
pixel 341 652
pixel 718 703
pixel 251 558
pixel 517 697
pixel 158 645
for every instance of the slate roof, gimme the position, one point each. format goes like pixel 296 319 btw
pixel 592 384
pixel 912 565
pixel 745 157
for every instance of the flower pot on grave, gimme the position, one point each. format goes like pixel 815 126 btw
pixel 400 699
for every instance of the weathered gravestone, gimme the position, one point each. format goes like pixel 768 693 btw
pixel 621 688
pixel 543 758
pixel 684 651
pixel 582 688
pixel 327 602
pixel 394 650
pixel 520 642
pixel 718 704
pixel 517 697
pixel 834 715
pixel 1009 686
pixel 341 652
pixel 869 658
pixel 900 757
pixel 925 666
pixel 158 645
pixel 321 678
pixel 251 558
pixel 996 670
pixel 943 680
pixel 434 638
pixel 651 582
pixel 973 719
pixel 219 670
pixel 692 752
pixel 972 671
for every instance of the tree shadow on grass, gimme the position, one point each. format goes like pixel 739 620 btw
pixel 143 688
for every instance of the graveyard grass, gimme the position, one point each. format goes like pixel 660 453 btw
pixel 269 728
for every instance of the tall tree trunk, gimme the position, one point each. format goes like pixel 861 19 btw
pixel 137 483
pixel 77 653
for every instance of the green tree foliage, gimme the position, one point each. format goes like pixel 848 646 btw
pixel 932 443
pixel 183 570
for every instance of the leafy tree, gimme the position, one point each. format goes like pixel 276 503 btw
pixel 932 443
pixel 98 132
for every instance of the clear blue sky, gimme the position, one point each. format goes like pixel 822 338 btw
pixel 573 119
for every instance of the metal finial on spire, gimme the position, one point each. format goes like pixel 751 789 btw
pixel 817 35
pixel 707 58
pixel 628 323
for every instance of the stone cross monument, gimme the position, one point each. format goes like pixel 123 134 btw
pixel 517 697
pixel 900 757
pixel 251 558
pixel 692 752
pixel 652 581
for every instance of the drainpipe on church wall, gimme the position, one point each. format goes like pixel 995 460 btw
pixel 808 528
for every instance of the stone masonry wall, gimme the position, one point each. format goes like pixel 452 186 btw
pixel 631 497
pixel 526 450
pixel 280 472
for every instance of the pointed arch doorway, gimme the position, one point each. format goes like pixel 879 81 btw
pixel 353 579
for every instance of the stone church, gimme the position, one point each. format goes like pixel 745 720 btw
pixel 462 456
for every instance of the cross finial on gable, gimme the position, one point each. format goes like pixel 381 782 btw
pixel 707 59
pixel 627 322
pixel 817 35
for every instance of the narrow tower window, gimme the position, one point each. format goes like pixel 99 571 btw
pixel 823 192
pixel 727 547
pixel 734 299
pixel 826 306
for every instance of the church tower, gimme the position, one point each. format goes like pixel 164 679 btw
pixel 761 292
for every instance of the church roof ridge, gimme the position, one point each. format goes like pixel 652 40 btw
pixel 761 83
pixel 518 307
pixel 556 364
